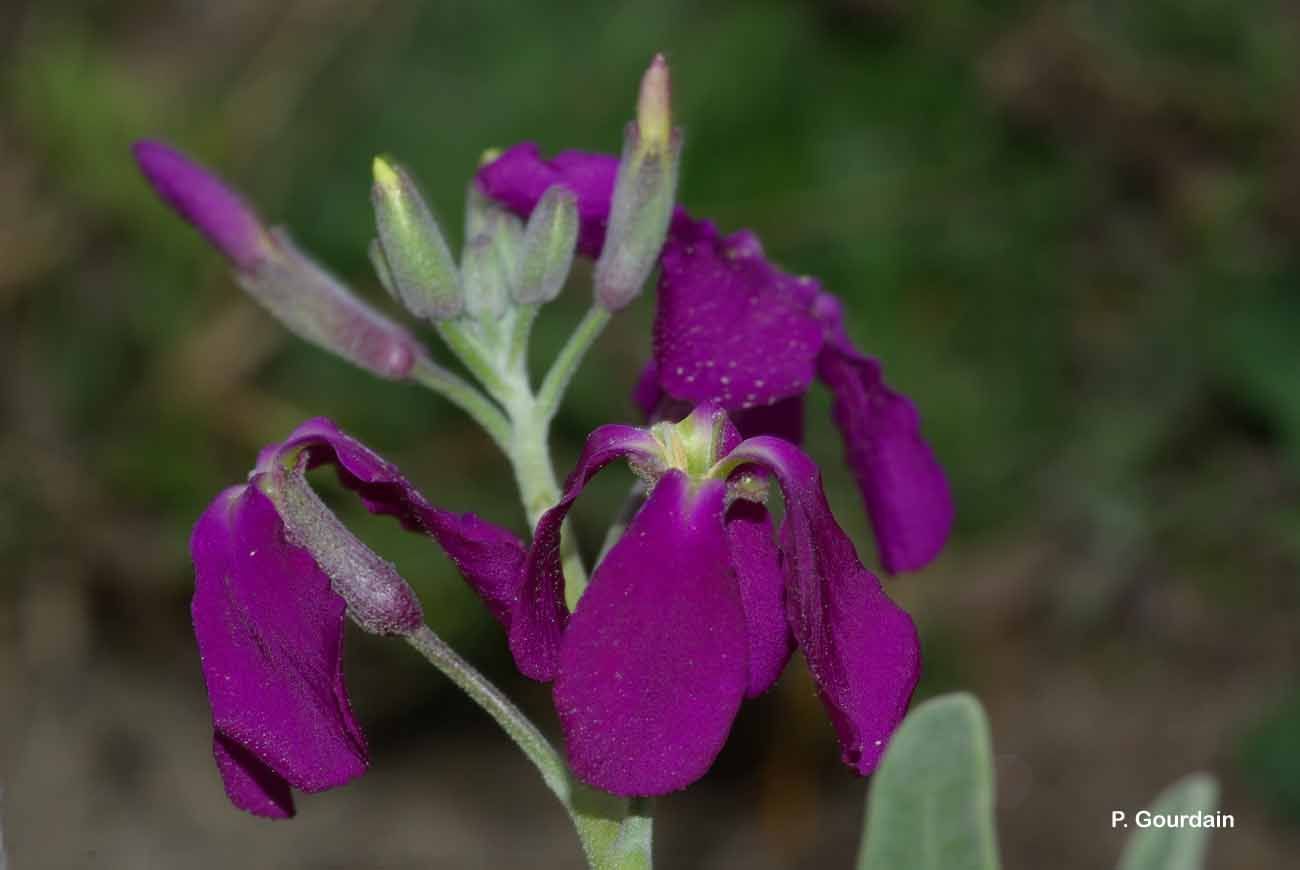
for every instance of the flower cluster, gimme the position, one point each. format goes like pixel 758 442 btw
pixel 734 329
pixel 699 603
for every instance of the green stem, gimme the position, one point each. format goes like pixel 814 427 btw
pixel 467 397
pixel 611 837
pixel 570 357
pixel 517 726
pixel 530 457
pixel 470 352
pixel 517 358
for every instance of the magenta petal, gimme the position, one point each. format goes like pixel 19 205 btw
pixel 490 558
pixel 270 635
pixel 757 563
pixel 904 487
pixel 784 419
pixel 518 178
pixel 730 327
pixel 653 667
pixel 540 615
pixel 251 785
pixel 199 197
pixel 861 648
pixel 647 394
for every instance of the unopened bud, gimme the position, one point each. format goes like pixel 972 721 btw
pixel 378 599
pixel 419 261
pixel 317 307
pixel 205 202
pixel 547 253
pixel 487 276
pixel 642 205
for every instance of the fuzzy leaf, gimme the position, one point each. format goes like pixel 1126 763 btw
pixel 1174 848
pixel 931 800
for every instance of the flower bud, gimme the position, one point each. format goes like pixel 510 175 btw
pixel 548 244
pixel 489 262
pixel 642 205
pixel 378 599
pixel 209 206
pixel 317 307
pixel 419 261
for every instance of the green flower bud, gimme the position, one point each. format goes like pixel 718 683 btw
pixel 643 194
pixel 419 262
pixel 548 244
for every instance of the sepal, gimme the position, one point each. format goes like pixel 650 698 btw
pixel 419 261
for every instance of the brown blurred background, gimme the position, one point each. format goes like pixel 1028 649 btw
pixel 1069 229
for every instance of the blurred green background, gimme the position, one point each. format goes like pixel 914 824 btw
pixel 1069 229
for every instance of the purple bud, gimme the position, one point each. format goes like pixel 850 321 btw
pixel 321 309
pixel 202 200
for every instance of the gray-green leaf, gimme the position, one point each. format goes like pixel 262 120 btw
pixel 931 800
pixel 1174 848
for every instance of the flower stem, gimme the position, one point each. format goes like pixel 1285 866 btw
pixel 570 357
pixel 470 352
pixel 465 396
pixel 517 726
pixel 612 838
pixel 517 359
pixel 530 457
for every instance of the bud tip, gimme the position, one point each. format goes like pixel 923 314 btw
pixel 386 173
pixel 205 202
pixel 654 105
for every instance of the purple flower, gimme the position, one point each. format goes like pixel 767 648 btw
pixel 276 573
pixel 699 606
pixel 734 329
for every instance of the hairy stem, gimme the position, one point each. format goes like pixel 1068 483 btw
pixel 612 837
pixel 467 397
pixel 570 357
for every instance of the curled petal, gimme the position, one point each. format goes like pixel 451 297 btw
pixel 539 614
pixel 270 635
pixel 519 177
pixel 861 648
pixel 904 487
pixel 653 670
pixel 757 563
pixel 730 327
pixel 251 785
pixel 489 558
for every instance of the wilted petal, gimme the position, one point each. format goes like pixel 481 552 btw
pixel 540 614
pixel 519 177
pixel 202 200
pixel 653 670
pixel 757 563
pixel 730 327
pixel 270 635
pixel 904 487
pixel 489 557
pixel 861 648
